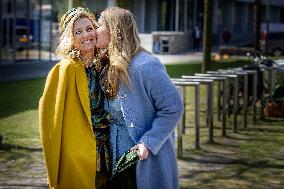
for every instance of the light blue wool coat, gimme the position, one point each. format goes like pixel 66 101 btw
pixel 151 109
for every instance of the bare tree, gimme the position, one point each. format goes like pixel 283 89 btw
pixel 207 36
pixel 256 23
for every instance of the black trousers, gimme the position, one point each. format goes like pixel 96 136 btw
pixel 125 179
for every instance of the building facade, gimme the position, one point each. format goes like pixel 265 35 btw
pixel 236 16
pixel 26 30
pixel 29 28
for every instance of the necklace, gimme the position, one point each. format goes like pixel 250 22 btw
pixel 88 59
pixel 87 62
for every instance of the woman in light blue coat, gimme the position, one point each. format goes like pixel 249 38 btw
pixel 144 104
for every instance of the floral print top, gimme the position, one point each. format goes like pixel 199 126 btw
pixel 100 126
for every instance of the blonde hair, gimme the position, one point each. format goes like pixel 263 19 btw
pixel 124 42
pixel 65 47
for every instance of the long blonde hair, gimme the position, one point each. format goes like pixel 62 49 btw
pixel 124 42
pixel 65 47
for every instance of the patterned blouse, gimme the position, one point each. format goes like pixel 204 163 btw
pixel 120 140
pixel 100 126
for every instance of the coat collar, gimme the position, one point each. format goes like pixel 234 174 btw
pixel 83 89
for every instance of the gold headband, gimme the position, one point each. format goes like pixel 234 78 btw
pixel 67 17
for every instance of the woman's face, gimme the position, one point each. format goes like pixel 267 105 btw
pixel 103 36
pixel 84 35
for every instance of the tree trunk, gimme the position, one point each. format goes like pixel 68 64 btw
pixel 78 3
pixel 256 24
pixel 121 3
pixel 61 6
pixel 207 36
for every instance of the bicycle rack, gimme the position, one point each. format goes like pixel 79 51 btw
pixel 209 112
pixel 196 85
pixel 254 90
pixel 245 100
pixel 221 80
pixel 235 79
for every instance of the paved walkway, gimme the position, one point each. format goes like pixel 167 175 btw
pixel 181 58
pixel 24 70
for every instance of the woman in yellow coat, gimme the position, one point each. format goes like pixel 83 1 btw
pixel 73 124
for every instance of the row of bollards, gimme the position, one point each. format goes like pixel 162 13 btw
pixel 228 84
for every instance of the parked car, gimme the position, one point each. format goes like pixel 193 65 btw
pixel 274 42
pixel 22 38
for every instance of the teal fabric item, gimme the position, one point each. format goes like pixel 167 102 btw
pixel 120 140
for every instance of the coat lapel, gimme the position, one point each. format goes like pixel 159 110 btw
pixel 83 89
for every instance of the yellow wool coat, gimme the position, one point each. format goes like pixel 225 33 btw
pixel 68 142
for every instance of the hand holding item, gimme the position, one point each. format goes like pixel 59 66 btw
pixel 142 151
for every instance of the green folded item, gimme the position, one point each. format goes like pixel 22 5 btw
pixel 125 161
pixel 124 173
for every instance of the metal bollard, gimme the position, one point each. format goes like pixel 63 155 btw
pixel 210 104
pixel 224 81
pixel 243 74
pixel 197 108
pixel 235 79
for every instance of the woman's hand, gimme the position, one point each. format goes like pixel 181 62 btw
pixel 142 151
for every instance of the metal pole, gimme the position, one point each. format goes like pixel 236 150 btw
pixel 197 117
pixel 28 29
pixel 14 31
pixel 254 92
pixel 209 83
pixel 211 104
pixel 1 34
pixel 208 103
pixel 262 97
pixel 270 72
pixel 245 100
pixel 8 37
pixel 180 145
pixel 70 4
pixel 228 100
pixel 177 16
pixel 181 125
pixel 185 15
pixel 50 33
pixel 39 31
pixel 219 101
pixel 195 12
pixel 197 108
pixel 184 104
pixel 224 105
pixel 267 24
pixel 255 81
pixel 236 99
pixel 224 80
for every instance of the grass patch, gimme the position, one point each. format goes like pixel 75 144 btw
pixel 251 158
pixel 19 115
pixel 19 96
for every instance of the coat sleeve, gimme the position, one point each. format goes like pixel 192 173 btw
pixel 167 102
pixel 51 107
